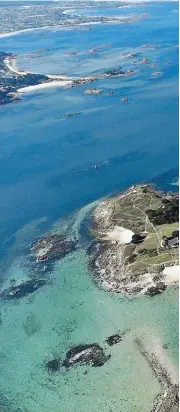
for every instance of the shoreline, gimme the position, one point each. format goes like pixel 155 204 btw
pixel 61 27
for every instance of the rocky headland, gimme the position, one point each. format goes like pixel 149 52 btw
pixel 136 241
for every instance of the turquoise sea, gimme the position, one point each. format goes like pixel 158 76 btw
pixel 48 183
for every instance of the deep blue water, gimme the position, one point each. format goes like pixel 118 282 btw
pixel 44 155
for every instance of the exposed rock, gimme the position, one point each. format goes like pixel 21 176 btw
pixel 124 99
pixel 92 355
pixel 150 46
pixel 130 55
pixel 53 247
pixel 72 114
pixel 110 93
pixel 156 290
pixel 117 72
pixel 98 48
pixel 93 91
pixel 144 61
pixel 114 339
pixel 156 74
pixel 169 401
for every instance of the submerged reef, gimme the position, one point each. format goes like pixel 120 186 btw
pixel 114 339
pixel 21 290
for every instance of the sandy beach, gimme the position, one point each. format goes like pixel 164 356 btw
pixel 172 274
pixel 55 83
pixel 119 234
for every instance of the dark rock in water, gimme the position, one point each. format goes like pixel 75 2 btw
pixel 111 93
pixel 71 114
pixel 53 247
pixel 165 346
pixel 92 355
pixel 114 339
pixel 169 401
pixel 22 290
pixel 124 99
pixel 156 290
pixel 53 365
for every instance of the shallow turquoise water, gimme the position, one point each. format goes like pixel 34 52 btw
pixel 72 311
pixel 44 180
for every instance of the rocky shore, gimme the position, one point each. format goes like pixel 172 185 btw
pixel 168 400
pixel 136 241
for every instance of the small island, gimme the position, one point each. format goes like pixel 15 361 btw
pixel 136 241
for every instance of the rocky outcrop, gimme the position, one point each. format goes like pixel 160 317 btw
pixel 92 355
pixel 156 289
pixel 114 339
pixel 52 247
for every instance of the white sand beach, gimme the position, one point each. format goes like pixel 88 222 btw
pixel 119 234
pixel 172 274
pixel 55 83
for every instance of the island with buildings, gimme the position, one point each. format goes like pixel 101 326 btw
pixel 136 241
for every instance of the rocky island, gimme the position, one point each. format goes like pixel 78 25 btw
pixel 136 241
pixel 51 247
pixel 92 355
